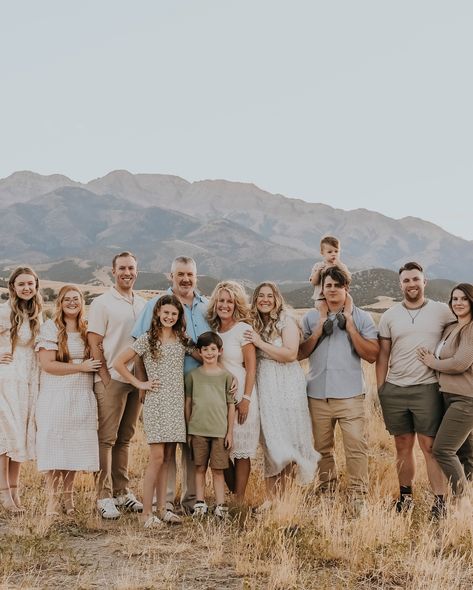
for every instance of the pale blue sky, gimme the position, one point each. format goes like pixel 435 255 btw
pixel 353 103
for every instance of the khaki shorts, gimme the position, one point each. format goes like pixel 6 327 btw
pixel 416 408
pixel 209 450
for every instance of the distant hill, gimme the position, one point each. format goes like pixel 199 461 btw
pixel 232 229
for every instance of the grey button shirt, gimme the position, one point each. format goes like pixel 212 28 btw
pixel 335 368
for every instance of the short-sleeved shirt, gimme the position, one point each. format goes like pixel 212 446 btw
pixel 335 369
pixel 408 330
pixel 112 316
pixel 210 398
pixel 196 322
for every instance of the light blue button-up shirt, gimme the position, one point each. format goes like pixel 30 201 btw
pixel 335 369
pixel 196 322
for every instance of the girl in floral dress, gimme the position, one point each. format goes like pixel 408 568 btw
pixel 163 349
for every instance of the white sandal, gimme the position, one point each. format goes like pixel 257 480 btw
pixel 171 517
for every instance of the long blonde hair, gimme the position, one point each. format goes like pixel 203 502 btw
pixel 241 313
pixel 267 330
pixel 58 318
pixel 21 308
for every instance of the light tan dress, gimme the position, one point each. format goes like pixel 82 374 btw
pixel 19 381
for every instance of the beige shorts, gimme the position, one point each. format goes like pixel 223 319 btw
pixel 209 450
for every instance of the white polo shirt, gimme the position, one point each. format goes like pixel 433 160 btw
pixel 113 316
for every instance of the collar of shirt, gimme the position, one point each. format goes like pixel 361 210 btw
pixel 198 298
pixel 118 295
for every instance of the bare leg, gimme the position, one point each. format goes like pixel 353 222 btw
pixel 14 478
pixel 242 474
pixel 68 492
pixel 200 482
pixel 438 481
pixel 162 477
pixel 6 499
pixel 405 461
pixel 156 459
pixel 219 486
pixel 53 479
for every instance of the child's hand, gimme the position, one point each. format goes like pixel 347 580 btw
pixel 228 441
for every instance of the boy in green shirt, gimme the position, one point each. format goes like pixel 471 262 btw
pixel 210 412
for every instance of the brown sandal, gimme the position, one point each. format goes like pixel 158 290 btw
pixel 8 504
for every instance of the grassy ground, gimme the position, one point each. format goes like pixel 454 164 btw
pixel 306 541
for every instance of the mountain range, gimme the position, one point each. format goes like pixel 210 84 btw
pixel 232 229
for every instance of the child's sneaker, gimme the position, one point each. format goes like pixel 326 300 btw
pixel 107 509
pixel 128 503
pixel 153 522
pixel 221 511
pixel 200 509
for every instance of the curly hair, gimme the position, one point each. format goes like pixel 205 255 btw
pixel 267 327
pixel 241 313
pixel 22 309
pixel 58 318
pixel 179 328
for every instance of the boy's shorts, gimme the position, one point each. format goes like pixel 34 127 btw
pixel 209 450
pixel 415 408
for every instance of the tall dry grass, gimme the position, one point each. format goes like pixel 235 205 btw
pixel 304 541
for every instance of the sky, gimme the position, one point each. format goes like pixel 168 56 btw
pixel 362 103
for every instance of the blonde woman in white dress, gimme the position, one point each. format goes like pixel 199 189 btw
pixel 66 412
pixel 20 319
pixel 228 314
pixel 286 429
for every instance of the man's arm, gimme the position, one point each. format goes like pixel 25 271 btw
pixel 96 350
pixel 382 362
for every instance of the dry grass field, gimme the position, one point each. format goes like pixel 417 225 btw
pixel 305 541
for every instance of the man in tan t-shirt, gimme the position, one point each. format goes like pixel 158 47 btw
pixel 111 320
pixel 408 393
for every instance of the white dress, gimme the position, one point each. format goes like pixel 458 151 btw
pixel 66 411
pixel 246 435
pixel 286 428
pixel 18 392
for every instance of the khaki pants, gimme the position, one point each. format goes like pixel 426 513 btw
pixel 118 411
pixel 350 415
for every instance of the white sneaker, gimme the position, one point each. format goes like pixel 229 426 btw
pixel 107 509
pixel 153 522
pixel 200 509
pixel 221 511
pixel 128 503
pixel 171 517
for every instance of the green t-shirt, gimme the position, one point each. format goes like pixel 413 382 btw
pixel 210 395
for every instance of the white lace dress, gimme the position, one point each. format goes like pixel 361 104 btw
pixel 66 411
pixel 286 428
pixel 246 435
pixel 18 392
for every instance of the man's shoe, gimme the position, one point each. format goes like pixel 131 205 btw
pixel 341 321
pixel 128 503
pixel 170 517
pixel 200 509
pixel 221 511
pixel 327 328
pixel 405 503
pixel 107 509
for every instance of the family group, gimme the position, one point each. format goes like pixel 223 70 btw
pixel 221 376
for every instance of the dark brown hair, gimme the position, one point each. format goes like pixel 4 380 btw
pixel 208 338
pixel 179 328
pixel 337 274
pixel 411 266
pixel 467 290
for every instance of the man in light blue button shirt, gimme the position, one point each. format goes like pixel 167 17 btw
pixel 184 279
pixel 338 336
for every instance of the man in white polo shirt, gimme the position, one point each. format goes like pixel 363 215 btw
pixel 111 319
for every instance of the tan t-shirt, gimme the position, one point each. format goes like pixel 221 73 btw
pixel 112 316
pixel 409 330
